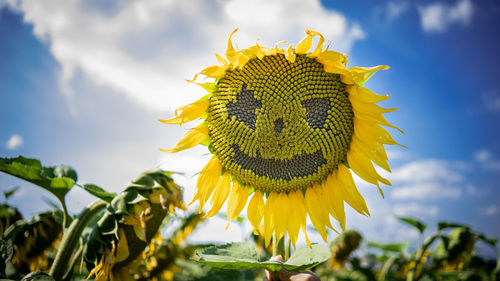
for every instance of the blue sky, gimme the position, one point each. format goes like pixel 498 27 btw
pixel 83 83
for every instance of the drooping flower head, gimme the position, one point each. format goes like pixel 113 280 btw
pixel 130 224
pixel 286 127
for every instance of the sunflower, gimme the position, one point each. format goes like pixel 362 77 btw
pixel 286 127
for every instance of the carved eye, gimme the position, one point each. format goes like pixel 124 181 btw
pixel 244 108
pixel 316 111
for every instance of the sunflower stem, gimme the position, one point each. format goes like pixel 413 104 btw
pixel 71 237
pixel 275 245
pixel 288 249
pixel 278 246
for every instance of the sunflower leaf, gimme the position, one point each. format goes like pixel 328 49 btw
pixel 413 222
pixel 11 192
pixel 392 247
pixel 444 224
pixel 58 180
pixel 99 192
pixel 306 258
pixel 245 256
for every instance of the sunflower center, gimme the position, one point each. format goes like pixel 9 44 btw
pixel 280 126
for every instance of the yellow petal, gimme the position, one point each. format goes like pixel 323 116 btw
pixel 122 248
pixel 255 209
pixel 257 50
pixel 290 55
pixel 192 138
pixel 305 45
pixel 300 211
pixel 319 47
pixel 375 118
pixel 222 61
pixel 269 220
pixel 231 54
pixel 188 113
pixel 373 153
pixel 335 198
pixel 281 214
pixel 369 108
pixel 316 211
pixel 213 71
pixel 333 59
pixel 207 180
pixel 363 167
pixel 96 269
pixel 209 87
pixel 220 195
pixel 361 74
pixel 294 218
pixel 365 95
pixel 237 201
pixel 371 131
pixel 349 192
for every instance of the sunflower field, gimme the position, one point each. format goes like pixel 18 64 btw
pixel 291 133
pixel 122 237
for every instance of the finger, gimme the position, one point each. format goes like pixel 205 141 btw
pixel 278 258
pixel 268 276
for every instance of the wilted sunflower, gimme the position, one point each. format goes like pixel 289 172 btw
pixel 287 125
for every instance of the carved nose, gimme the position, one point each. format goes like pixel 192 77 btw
pixel 279 125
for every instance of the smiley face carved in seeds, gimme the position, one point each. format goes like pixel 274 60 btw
pixel 280 125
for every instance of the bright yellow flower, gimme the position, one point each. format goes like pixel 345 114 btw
pixel 288 126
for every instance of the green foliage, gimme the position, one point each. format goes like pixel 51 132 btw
pixel 99 192
pixel 140 191
pixel 10 192
pixel 245 256
pixel 390 247
pixel 28 247
pixel 6 253
pixel 57 180
pixel 413 222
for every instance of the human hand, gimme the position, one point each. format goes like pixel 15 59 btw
pixel 285 275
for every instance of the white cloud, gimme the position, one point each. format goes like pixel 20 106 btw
pixel 428 179
pixel 415 210
pixel 429 170
pixel 395 154
pixel 426 191
pixel 491 101
pixel 145 50
pixel 395 9
pixel 437 17
pixel 487 161
pixel 14 142
pixel 491 210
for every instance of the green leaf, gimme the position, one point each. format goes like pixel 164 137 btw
pixel 99 192
pixel 306 258
pixel 245 256
pixel 10 192
pixel 38 276
pixel 6 253
pixel 442 225
pixel 391 247
pixel 57 180
pixel 488 240
pixel 413 222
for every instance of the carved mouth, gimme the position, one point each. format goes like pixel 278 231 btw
pixel 303 165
